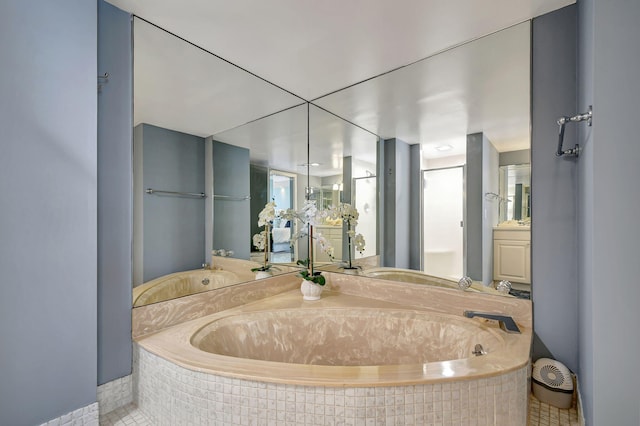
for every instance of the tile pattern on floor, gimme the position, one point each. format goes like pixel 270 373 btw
pixel 540 414
pixel 128 415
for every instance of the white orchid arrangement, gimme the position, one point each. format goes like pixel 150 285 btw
pixel 349 216
pixel 261 239
pixel 309 216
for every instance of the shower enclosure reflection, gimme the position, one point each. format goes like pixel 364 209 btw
pixel 443 212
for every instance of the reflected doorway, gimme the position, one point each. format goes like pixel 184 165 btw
pixel 442 222
pixel 282 190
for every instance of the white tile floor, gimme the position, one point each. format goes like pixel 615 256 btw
pixel 540 414
pixel 127 415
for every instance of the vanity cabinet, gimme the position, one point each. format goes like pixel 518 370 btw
pixel 333 234
pixel 512 255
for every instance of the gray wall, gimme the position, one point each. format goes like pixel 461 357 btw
pixel 480 214
pixel 48 219
pixel 608 236
pixel 259 191
pixel 490 208
pixel 415 209
pixel 231 222
pixel 114 194
pixel 395 251
pixel 473 208
pixel 522 156
pixel 173 226
pixel 554 185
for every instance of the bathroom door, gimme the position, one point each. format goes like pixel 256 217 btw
pixel 443 209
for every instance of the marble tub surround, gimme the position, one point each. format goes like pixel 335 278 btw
pixel 151 318
pixel 181 284
pixel 242 268
pixel 418 277
pixel 511 350
pixel 435 299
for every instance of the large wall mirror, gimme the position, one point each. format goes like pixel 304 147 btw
pixel 183 96
pixel 243 142
pixel 468 109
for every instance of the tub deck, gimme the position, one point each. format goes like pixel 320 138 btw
pixel 174 344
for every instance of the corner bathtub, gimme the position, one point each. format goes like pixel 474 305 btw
pixel 181 284
pixel 340 359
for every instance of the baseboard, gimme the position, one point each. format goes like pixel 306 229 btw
pixel 115 394
pixel 82 416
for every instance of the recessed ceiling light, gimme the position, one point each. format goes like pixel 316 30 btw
pixel 442 148
pixel 309 164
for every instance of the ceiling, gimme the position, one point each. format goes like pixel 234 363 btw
pixel 311 49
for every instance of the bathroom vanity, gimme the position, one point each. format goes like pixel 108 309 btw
pixel 512 254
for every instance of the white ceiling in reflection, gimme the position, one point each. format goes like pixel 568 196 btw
pixel 180 87
pixel 482 86
pixel 313 48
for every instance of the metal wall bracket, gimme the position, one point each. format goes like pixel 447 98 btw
pixel 575 151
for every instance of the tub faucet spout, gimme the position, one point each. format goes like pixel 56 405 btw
pixel 506 322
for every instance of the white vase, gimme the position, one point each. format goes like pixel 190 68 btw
pixel 310 290
pixel 263 274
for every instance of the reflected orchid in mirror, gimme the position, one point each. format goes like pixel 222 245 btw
pixel 309 216
pixel 261 239
pixel 349 216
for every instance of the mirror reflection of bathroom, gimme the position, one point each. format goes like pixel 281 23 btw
pixel 365 194
pixel 282 191
pixel 515 193
pixel 443 212
pixel 512 235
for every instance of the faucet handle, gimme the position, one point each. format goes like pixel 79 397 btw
pixel 464 283
pixel 504 287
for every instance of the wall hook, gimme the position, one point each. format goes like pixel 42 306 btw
pixel 575 151
pixel 102 80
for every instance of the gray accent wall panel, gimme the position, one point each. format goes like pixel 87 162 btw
pixel 415 221
pixel 473 208
pixel 480 214
pixel 490 212
pixel 231 229
pixel 522 156
pixel 114 194
pixel 554 185
pixel 395 251
pixel 259 187
pixel 48 219
pixel 608 176
pixel 174 231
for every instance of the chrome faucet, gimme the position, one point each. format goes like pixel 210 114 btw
pixel 505 322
